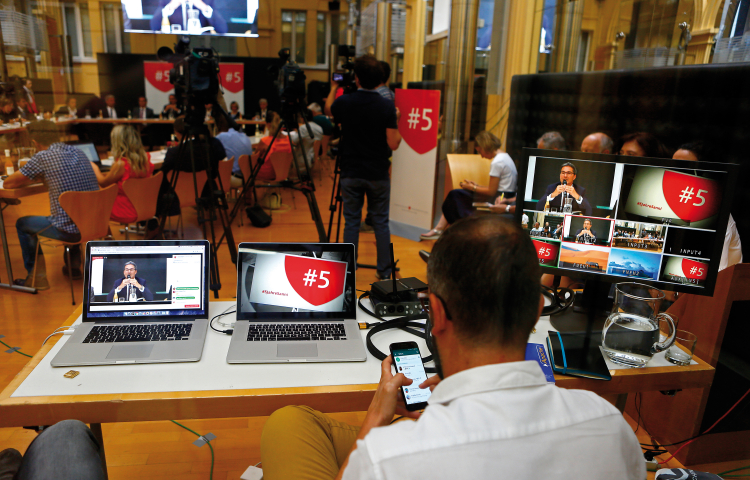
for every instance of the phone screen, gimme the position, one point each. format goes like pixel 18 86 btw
pixel 337 77
pixel 409 362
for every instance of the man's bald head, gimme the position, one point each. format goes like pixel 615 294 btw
pixel 597 143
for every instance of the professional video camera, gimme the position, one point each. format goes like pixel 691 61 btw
pixel 195 76
pixel 289 80
pixel 345 78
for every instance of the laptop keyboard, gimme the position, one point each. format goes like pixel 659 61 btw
pixel 138 333
pixel 296 332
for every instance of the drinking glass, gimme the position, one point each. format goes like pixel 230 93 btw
pixel 568 207
pixel 681 352
pixel 631 334
pixel 194 21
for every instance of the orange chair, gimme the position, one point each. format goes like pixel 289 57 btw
pixel 90 212
pixel 246 170
pixel 225 174
pixel 143 193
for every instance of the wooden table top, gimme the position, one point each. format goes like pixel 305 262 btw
pixel 129 407
pixel 23 191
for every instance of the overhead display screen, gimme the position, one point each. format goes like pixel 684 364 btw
pixel 191 17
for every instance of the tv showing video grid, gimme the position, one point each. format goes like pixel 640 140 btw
pixel 627 220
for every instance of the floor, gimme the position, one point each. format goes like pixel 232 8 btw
pixel 151 450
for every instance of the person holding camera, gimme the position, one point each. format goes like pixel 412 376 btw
pixel 369 132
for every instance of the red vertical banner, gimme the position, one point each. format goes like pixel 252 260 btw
pixel 414 163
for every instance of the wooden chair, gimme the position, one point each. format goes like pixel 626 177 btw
pixel 90 212
pixel 465 167
pixel 246 170
pixel 316 159
pixel 143 193
pixel 185 190
pixel 225 174
pixel 281 162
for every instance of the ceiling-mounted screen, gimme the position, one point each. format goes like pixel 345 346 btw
pixel 191 17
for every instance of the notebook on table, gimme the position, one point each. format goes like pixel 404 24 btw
pixel 296 302
pixel 144 302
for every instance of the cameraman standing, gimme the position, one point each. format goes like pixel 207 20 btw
pixel 369 132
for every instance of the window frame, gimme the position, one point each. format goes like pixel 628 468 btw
pixel 118 27
pixel 293 46
pixel 81 57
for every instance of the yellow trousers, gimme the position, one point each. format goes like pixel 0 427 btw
pixel 301 443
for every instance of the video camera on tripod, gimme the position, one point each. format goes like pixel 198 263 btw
pixel 345 78
pixel 290 81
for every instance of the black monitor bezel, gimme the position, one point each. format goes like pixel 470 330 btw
pixel 723 217
pixel 351 313
pixel 141 243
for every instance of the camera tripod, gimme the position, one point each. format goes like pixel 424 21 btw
pixel 304 183
pixel 209 207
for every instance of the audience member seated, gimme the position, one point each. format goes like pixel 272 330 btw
pixel 263 112
pixel 502 183
pixel 383 88
pixel 63 168
pixel 234 111
pixel 537 230
pixel 597 143
pixel 173 161
pixel 556 191
pixel 235 144
pixel 22 107
pixel 171 110
pixel 308 141
pixel 8 111
pixel 110 111
pixel 281 144
pixel 319 118
pixel 558 231
pixel 68 110
pixel 491 414
pixel 551 141
pixel 142 111
pixel 642 144
pixel 731 253
pixel 131 161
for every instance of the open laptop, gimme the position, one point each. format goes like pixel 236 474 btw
pixel 89 150
pixel 158 314
pixel 296 302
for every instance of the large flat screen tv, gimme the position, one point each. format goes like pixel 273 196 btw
pixel 236 18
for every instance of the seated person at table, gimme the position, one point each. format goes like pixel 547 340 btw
pixel 731 253
pixel 502 183
pixel 63 168
pixel 235 144
pixel 142 110
pixel 597 143
pixel 281 144
pixel 537 230
pixel 491 413
pixel 308 141
pixel 318 117
pixel 556 191
pixel 131 161
pixel 262 114
pixel 131 283
pixel 68 110
pixel 8 112
pixel 110 111
pixel 558 231
pixel 171 110
pixel 22 107
pixel 234 111
pixel 586 234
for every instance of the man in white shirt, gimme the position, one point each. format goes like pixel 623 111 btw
pixel 308 141
pixel 493 415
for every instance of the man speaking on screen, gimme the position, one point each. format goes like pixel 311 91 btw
pixel 192 16
pixel 130 288
pixel 566 188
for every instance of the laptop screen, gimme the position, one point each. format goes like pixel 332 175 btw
pixel 125 279
pixel 296 281
pixel 89 150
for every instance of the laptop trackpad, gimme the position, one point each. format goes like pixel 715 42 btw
pixel 297 350
pixel 129 351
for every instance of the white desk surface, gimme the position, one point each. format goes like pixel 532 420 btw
pixel 213 373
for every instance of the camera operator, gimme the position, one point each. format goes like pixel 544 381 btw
pixel 369 132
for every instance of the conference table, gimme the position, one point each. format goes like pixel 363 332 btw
pixel 211 388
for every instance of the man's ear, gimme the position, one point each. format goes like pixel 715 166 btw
pixel 438 315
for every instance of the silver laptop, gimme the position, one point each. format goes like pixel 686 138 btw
pixel 144 302
pixel 89 150
pixel 296 302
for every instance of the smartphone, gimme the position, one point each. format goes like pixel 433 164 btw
pixel 338 77
pixel 408 360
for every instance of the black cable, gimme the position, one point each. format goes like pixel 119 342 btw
pixel 638 410
pixel 396 419
pixel 211 323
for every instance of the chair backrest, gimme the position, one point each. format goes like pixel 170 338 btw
pixel 185 189
pixel 90 211
pixel 143 194
pixel 281 162
pixel 316 149
pixel 245 167
pixel 225 173
pixel 466 167
pixel 324 144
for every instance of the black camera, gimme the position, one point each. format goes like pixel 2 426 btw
pixel 290 80
pixel 345 79
pixel 195 77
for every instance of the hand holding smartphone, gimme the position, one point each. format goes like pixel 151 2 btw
pixel 408 360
